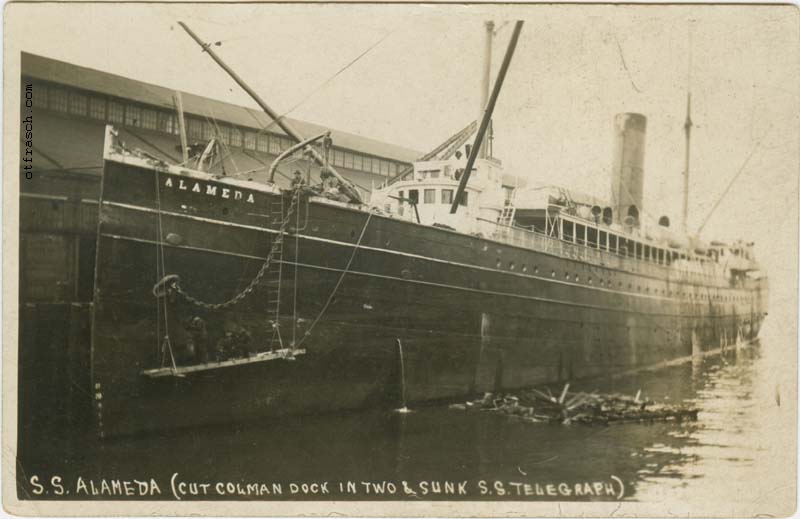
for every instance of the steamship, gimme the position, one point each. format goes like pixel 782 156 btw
pixel 220 300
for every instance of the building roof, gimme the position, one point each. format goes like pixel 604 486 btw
pixel 47 69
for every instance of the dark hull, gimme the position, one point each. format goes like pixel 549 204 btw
pixel 472 315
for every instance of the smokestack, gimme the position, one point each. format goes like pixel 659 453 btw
pixel 627 174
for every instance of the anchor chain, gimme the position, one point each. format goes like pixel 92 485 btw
pixel 172 281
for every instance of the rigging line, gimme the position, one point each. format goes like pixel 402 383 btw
pixel 625 65
pixel 160 252
pixel 339 281
pixel 733 180
pixel 229 153
pixel 266 166
pixel 324 83
pixel 296 267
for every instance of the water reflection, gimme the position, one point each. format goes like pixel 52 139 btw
pixel 438 444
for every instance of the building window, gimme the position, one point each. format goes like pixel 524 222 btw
pixel 116 112
pixel 250 140
pixel 149 119
pixel 358 161
pixel 430 196
pixel 274 145
pixel 447 196
pixel 224 134
pixel 97 108
pixel 338 158
pixel 41 95
pixel 133 116
pixel 166 122
pixel 348 159
pixel 58 99
pixel 384 168
pixel 207 130
pixel 376 166
pixel 78 103
pixel 194 129
pixel 367 164
pixel 236 137
pixel 262 143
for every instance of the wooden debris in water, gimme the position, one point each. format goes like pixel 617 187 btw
pixel 533 405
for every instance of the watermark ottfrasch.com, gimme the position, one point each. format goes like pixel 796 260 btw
pixel 27 129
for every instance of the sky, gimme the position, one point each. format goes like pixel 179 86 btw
pixel 575 67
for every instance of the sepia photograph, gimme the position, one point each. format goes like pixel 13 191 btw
pixel 292 259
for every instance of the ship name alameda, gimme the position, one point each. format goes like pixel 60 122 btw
pixel 219 300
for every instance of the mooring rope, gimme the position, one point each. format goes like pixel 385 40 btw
pixel 338 282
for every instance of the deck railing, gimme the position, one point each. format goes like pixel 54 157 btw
pixel 535 240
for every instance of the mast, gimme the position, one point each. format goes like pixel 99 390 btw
pixel 181 126
pixel 487 116
pixel 350 190
pixel 687 128
pixel 486 82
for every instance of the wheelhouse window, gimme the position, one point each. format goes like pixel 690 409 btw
pixel 447 196
pixel 413 196
pixel 580 234
pixel 568 231
pixel 464 199
pixel 591 238
pixel 430 196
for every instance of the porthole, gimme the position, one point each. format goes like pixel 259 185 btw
pixel 553 274
pixel 524 268
pixel 590 280
pixel 499 263
pixel 535 269
pixel 577 278
pixel 511 265
pixel 566 276
pixel 485 247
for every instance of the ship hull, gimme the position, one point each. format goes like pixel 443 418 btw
pixel 380 311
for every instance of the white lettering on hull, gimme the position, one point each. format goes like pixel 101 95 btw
pixel 211 190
